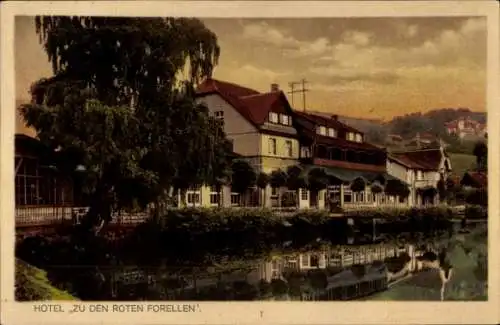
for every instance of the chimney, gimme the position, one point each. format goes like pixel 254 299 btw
pixel 275 88
pixel 335 117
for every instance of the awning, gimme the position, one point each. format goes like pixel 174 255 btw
pixel 348 175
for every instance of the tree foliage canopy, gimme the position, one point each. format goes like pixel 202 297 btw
pixel 481 153
pixel 244 176
pixel 318 179
pixel 122 101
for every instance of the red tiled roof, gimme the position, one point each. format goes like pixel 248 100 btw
pixel 429 159
pixel 308 122
pixel 214 86
pixel 251 104
pixel 328 122
pixel 479 179
pixel 340 142
pixel 260 105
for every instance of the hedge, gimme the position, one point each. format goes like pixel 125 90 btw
pixel 476 212
pixel 32 285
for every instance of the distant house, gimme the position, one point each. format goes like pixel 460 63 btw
pixel 475 179
pixel 394 139
pixel 421 140
pixel 421 170
pixel 465 127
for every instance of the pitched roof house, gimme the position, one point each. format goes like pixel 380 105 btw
pixel 259 124
pixel 434 159
pixel 475 179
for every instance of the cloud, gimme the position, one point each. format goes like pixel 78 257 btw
pixel 412 31
pixel 337 76
pixel 264 33
pixel 353 59
pixel 356 38
pixel 261 72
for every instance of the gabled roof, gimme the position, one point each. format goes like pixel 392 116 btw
pixel 340 142
pixel 426 159
pixel 261 104
pixel 251 104
pixel 325 121
pixel 308 121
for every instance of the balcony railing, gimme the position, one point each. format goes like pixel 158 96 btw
pixel 425 182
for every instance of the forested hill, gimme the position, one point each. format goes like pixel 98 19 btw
pixel 431 122
pixel 408 125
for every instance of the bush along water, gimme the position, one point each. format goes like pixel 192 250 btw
pixel 194 237
pixel 398 220
pixel 476 212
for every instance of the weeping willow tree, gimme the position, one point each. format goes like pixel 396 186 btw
pixel 122 100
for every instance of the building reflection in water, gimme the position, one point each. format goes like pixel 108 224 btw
pixel 341 272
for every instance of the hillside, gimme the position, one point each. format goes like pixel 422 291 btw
pixel 460 163
pixel 409 125
pixel 431 122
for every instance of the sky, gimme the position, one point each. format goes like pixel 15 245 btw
pixel 359 67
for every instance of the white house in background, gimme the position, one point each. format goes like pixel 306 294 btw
pixel 421 170
pixel 465 127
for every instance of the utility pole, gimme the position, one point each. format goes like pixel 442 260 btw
pixel 292 91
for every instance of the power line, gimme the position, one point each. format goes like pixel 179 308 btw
pixel 292 91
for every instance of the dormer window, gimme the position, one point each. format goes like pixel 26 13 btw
pixel 350 136
pixel 273 117
pixel 285 119
pixel 359 138
pixel 332 133
pixel 321 130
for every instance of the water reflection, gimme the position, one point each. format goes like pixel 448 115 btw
pixel 333 272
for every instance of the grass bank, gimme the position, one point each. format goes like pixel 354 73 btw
pixel 32 285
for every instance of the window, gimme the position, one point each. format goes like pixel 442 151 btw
pixel 274 191
pixel 285 119
pixel 35 186
pixel 304 194
pixel 273 117
pixel 193 198
pixel 219 115
pixel 332 132
pixel 305 260
pixel 235 199
pixel 305 152
pixel 288 148
pixel 359 138
pixel 214 196
pixel 272 146
pixel 419 175
pixel 350 136
pixel 315 261
pixel 347 196
pixel 321 130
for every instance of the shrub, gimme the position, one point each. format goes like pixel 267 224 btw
pixel 476 212
pixel 477 197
